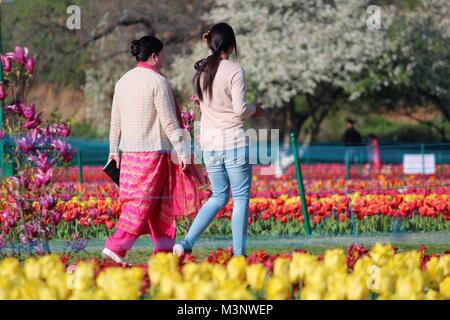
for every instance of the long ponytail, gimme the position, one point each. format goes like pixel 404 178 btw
pixel 220 38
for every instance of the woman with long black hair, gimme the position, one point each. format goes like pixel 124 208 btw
pixel 219 84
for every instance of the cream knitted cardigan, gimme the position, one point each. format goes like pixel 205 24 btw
pixel 143 116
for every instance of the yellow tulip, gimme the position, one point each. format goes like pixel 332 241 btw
pixel 32 269
pixel 357 288
pixel 256 275
pixel 50 266
pixel 10 267
pixel 409 286
pixel 317 277
pixel 59 284
pixel 311 292
pixel 336 286
pixel 444 265
pixel 381 254
pixel 335 259
pixel 301 265
pixel 219 274
pixel 278 288
pixel 281 267
pixel 363 266
pixel 433 295
pixel 185 291
pixel 205 291
pixel 444 287
pixel 236 268
pixel 161 264
pixel 121 284
pixel 166 288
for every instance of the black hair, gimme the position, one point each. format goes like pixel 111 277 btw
pixel 143 48
pixel 350 120
pixel 220 39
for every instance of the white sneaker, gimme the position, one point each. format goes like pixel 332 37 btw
pixel 178 250
pixel 108 254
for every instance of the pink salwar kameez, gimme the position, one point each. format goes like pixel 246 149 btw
pixel 153 192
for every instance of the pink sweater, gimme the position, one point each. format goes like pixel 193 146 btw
pixel 223 117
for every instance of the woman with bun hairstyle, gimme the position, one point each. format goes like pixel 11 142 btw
pixel 219 84
pixel 145 129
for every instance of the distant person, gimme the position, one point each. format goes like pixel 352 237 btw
pixel 352 140
pixel 373 153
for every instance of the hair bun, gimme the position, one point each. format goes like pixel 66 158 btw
pixel 135 48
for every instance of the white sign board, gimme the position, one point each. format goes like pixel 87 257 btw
pixel 419 164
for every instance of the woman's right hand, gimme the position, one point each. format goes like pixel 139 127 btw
pixel 115 157
pixel 259 110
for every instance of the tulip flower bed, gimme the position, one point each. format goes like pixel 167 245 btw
pixel 335 206
pixel 379 273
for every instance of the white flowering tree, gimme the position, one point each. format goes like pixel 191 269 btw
pixel 414 70
pixel 290 49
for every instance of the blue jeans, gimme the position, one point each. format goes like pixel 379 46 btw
pixel 225 168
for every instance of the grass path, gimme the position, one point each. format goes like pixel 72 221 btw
pixel 435 242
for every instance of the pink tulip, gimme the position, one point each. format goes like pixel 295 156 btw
pixel 6 63
pixel 2 92
pixel 31 63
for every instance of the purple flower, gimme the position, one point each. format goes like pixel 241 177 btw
pixel 10 55
pixel 6 63
pixel 56 217
pixel 186 116
pixel 48 201
pixel 64 130
pixel 43 178
pixel 29 112
pixel 20 55
pixel 31 63
pixel 29 142
pixel 65 150
pixel 93 213
pixel 32 124
pixel 61 129
pixel 15 108
pixel 41 161
pixel 23 179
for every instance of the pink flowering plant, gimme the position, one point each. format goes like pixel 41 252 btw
pixel 28 211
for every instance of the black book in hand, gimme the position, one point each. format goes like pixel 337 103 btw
pixel 112 171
